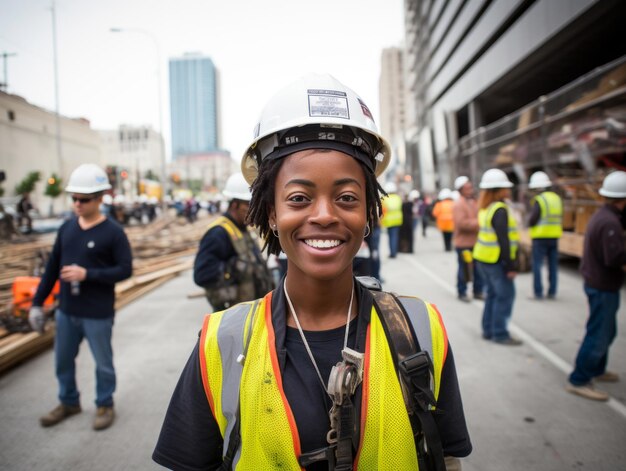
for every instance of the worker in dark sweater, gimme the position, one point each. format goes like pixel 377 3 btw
pixel 602 268
pixel 91 253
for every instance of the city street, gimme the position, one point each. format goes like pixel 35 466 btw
pixel 519 415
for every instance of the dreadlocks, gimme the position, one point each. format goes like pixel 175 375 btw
pixel 262 203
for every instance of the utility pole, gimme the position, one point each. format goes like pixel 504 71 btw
pixel 56 94
pixel 5 55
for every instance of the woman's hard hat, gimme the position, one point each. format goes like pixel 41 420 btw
pixel 316 112
pixel 494 178
pixel 539 180
pixel 614 185
pixel 87 179
pixel 460 181
pixel 237 188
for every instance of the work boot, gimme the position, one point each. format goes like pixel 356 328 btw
pixel 480 296
pixel 104 418
pixel 587 391
pixel 607 377
pixel 58 414
pixel 465 298
pixel 509 342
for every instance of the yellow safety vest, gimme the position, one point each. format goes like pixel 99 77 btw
pixel 487 249
pixel 550 224
pixel 392 211
pixel 240 369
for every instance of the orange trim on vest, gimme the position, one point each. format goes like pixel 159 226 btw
pixel 445 335
pixel 365 387
pixel 203 368
pixel 271 340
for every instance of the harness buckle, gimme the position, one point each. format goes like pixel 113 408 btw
pixel 418 371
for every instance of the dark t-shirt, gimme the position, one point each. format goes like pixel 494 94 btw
pixel 190 438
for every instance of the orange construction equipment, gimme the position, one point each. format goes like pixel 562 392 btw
pixel 23 290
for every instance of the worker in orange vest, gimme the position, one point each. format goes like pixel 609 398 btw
pixel 442 212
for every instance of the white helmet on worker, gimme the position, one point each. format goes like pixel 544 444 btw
pixel 316 112
pixel 494 178
pixel 87 179
pixel 460 181
pixel 107 199
pixel 413 195
pixel 614 185
pixel 539 180
pixel 390 187
pixel 237 188
pixel 445 194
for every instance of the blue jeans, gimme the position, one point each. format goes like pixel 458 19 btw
pixel 461 282
pixel 394 238
pixel 499 300
pixel 543 248
pixel 601 330
pixel 70 331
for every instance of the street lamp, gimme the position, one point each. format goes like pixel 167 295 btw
pixel 164 179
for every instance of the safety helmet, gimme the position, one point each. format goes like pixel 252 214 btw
pixel 494 178
pixel 444 194
pixel 614 185
pixel 455 195
pixel 316 112
pixel 119 199
pixel 460 181
pixel 237 188
pixel 414 194
pixel 107 199
pixel 390 187
pixel 87 179
pixel 539 180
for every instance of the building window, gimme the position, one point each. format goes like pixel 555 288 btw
pixel 11 115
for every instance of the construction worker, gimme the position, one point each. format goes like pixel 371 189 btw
pixel 495 254
pixel 602 268
pixel 442 212
pixel 546 227
pixel 316 343
pixel 465 218
pixel 392 217
pixel 91 253
pixel 229 264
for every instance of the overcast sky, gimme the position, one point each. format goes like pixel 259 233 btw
pixel 258 47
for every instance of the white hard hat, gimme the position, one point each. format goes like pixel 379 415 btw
pixel 494 178
pixel 143 198
pixel 614 185
pixel 460 181
pixel 455 195
pixel 539 180
pixel 390 187
pixel 316 112
pixel 87 179
pixel 119 199
pixel 444 194
pixel 153 200
pixel 107 199
pixel 414 194
pixel 237 188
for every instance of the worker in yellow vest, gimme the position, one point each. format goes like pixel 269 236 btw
pixel 546 227
pixel 392 217
pixel 495 254
pixel 257 390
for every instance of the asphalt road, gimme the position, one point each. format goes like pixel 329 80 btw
pixel 519 415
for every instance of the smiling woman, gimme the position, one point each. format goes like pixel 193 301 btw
pixel 321 341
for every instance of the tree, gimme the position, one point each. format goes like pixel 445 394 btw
pixel 27 185
pixel 53 190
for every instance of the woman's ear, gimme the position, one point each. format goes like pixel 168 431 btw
pixel 272 217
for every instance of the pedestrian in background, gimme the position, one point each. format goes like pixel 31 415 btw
pixel 392 217
pixel 24 220
pixel 442 212
pixel 495 254
pixel 465 216
pixel 261 399
pixel 424 211
pixel 406 229
pixel 546 227
pixel 602 268
pixel 229 264
pixel 91 253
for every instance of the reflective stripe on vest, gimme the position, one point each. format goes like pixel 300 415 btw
pixel 392 211
pixel 487 248
pixel 386 435
pixel 550 224
pixel 229 226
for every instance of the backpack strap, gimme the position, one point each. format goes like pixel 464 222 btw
pixel 415 369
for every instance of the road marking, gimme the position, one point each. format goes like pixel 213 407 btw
pixel 533 343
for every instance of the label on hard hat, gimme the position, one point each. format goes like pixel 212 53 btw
pixel 329 103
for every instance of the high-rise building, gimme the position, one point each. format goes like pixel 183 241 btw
pixel 194 105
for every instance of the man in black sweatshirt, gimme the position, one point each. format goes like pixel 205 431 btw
pixel 91 253
pixel 602 268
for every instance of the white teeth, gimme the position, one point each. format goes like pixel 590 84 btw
pixel 322 244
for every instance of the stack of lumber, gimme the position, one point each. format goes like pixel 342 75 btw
pixel 161 251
